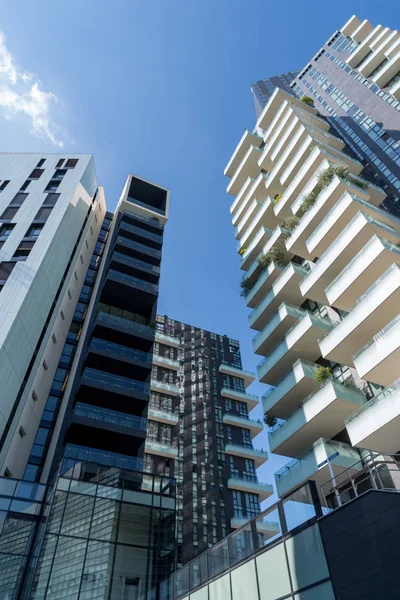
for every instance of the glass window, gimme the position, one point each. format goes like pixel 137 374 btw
pixel 5 230
pixel 18 199
pixel 9 213
pixel 6 269
pixel 34 231
pixel 51 199
pixel 43 214
pixel 52 185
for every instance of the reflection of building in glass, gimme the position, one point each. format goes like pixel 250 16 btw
pixel 262 90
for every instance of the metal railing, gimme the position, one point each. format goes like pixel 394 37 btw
pixel 109 416
pixel 272 525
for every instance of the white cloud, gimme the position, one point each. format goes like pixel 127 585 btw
pixel 21 93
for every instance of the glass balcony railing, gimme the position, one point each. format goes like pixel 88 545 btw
pixel 153 221
pixel 134 281
pixel 107 379
pixel 110 459
pixel 141 232
pixel 173 362
pixel 379 338
pixel 145 205
pixel 389 392
pixel 126 323
pixel 138 246
pixel 125 351
pixel 173 388
pixel 108 416
pixel 135 262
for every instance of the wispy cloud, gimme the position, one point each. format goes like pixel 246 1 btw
pixel 22 93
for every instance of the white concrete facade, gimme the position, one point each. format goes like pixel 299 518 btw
pixel 320 223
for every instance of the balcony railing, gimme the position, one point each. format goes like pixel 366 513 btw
pixel 134 281
pixel 109 416
pixel 135 262
pixel 153 221
pixel 138 246
pixel 124 322
pixel 141 232
pixel 145 205
pixel 112 348
pixel 110 459
pixel 108 379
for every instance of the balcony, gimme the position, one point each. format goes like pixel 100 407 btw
pixel 166 388
pixel 249 399
pixel 255 427
pixel 135 267
pixel 294 386
pixel 111 459
pixel 228 369
pixel 373 311
pixel 251 189
pixel 261 239
pixel 164 361
pixel 341 214
pixel 362 272
pixel 259 456
pixel 262 216
pixel 316 218
pixel 388 71
pixel 252 486
pixel 110 384
pixel 115 287
pixel 301 341
pixel 285 317
pixel 160 448
pixel 154 240
pixel 365 35
pixel 125 327
pixel 314 465
pixel 112 421
pixel 138 250
pixel 322 413
pixel 163 416
pixel 122 360
pixel 285 289
pixel 378 360
pixel 377 425
pixel 248 167
pixel 248 217
pixel 247 139
pixel 346 246
pixel 262 284
pixel 168 340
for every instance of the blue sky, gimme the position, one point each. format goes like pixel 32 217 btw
pixel 161 88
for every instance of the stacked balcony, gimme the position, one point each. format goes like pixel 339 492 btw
pixel 324 288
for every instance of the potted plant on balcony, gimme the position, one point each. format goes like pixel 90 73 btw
pixel 245 286
pixel 242 251
pixel 323 374
pixel 270 420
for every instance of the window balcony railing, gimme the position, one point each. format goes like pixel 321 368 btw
pixel 113 348
pixel 107 379
pixel 108 416
pixel 110 459
pixel 138 246
pixel 134 281
pixel 145 205
pixel 141 232
pixel 135 262
pixel 125 322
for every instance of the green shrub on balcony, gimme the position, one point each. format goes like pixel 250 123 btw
pixel 361 184
pixel 270 420
pixel 307 100
pixel 290 223
pixel 325 177
pixel 308 200
pixel 245 286
pixel 275 254
pixel 322 374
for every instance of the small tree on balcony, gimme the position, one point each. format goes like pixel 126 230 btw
pixel 290 223
pixel 245 286
pixel 325 177
pixel 323 374
pixel 307 100
pixel 270 420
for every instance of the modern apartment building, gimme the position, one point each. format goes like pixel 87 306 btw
pixel 262 90
pixel 316 189
pixel 200 433
pixel 80 519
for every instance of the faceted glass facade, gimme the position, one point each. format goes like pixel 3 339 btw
pixel 101 533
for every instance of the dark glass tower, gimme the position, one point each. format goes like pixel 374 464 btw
pixel 262 90
pixel 208 439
